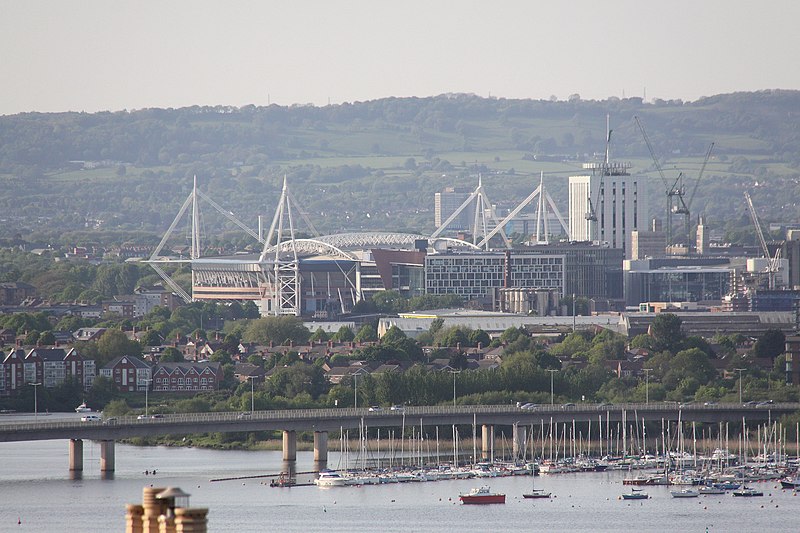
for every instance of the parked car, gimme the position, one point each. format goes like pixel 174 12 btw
pixel 243 415
pixel 375 408
pixel 110 421
pixel 764 402
pixel 568 405
pixel 397 408
pixel 528 406
pixel 90 418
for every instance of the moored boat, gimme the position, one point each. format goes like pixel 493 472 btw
pixel 747 492
pixel 635 494
pixel 330 479
pixel 481 495
pixel 790 483
pixel 685 493
pixel 536 493
pixel 711 490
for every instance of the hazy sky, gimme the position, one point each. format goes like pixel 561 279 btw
pixel 91 55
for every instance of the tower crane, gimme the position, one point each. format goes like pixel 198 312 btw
pixel 684 207
pixel 773 262
pixel 672 189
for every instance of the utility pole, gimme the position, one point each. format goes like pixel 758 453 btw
pixel 454 372
pixel 146 389
pixel 740 370
pixel 355 391
pixel 35 399
pixel 252 394
pixel 647 384
pixel 552 371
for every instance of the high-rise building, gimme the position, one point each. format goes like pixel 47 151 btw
pixel 607 204
pixel 703 239
pixel 446 202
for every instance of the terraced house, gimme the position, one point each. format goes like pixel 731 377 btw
pixel 53 366
pixel 177 377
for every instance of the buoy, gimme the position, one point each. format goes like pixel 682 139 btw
pixel 19 520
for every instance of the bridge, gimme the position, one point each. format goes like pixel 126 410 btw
pixel 320 421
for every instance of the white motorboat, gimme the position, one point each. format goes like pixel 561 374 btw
pixel 685 493
pixel 330 479
pixel 83 408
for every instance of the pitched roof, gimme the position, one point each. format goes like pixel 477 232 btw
pixel 135 361
pixel 186 367
pixel 49 354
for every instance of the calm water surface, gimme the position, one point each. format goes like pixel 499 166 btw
pixel 35 487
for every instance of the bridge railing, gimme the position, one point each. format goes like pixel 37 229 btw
pixel 184 419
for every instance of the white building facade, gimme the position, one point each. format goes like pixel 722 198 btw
pixel 606 205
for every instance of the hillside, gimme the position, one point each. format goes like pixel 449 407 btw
pixel 375 165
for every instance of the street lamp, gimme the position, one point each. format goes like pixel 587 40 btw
pixel 740 370
pixel 647 384
pixel 35 400
pixel 355 391
pixel 454 372
pixel 146 389
pixel 552 371
pixel 252 393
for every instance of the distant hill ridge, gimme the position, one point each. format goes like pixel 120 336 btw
pixel 131 169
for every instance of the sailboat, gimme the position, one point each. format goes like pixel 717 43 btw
pixel 535 493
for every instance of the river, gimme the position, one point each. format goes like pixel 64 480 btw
pixel 36 489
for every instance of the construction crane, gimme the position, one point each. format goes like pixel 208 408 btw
pixel 773 262
pixel 672 189
pixel 684 207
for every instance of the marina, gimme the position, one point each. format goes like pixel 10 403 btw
pixel 37 491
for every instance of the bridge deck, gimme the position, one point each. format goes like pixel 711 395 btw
pixel 334 419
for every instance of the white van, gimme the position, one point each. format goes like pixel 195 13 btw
pixel 90 418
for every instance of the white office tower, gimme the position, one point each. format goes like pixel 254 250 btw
pixel 606 203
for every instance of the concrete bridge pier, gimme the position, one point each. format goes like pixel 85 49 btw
pixel 75 455
pixel 321 446
pixel 487 442
pixel 289 445
pixel 518 440
pixel 106 456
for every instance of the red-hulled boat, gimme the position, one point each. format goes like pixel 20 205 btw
pixel 481 495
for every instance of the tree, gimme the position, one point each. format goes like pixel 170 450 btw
pixel 320 336
pixel 436 325
pixel 101 392
pixel 345 334
pixel 771 344
pixel 277 329
pixel 388 301
pixel 393 335
pixel 47 339
pixel 367 333
pixel 151 338
pixel 171 355
pixel 479 336
pixel 32 338
pixel 458 361
pixel 666 333
pixel 114 343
